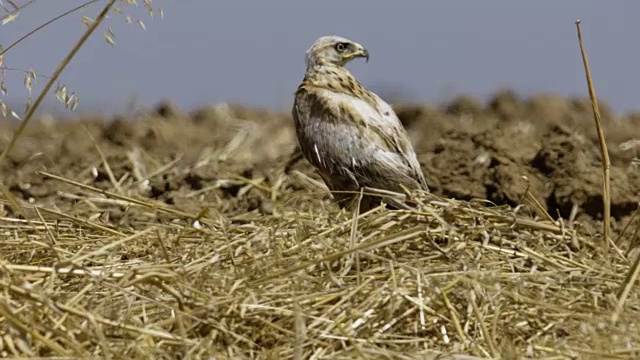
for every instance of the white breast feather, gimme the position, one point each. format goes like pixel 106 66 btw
pixel 384 119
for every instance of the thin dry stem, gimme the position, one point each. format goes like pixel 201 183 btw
pixel 54 77
pixel 629 283
pixel 35 30
pixel 604 153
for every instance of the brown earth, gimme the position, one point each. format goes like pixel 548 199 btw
pixel 468 150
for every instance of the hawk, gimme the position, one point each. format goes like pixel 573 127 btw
pixel 348 133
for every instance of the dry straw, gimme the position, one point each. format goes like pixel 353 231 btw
pixel 449 277
pixel 606 163
pixel 631 280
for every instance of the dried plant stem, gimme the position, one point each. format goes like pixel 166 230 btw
pixel 627 285
pixel 148 204
pixel 27 35
pixel 624 230
pixel 55 76
pixel 16 9
pixel 528 196
pixel 105 163
pixel 15 204
pixel 634 239
pixel 88 316
pixel 483 325
pixel 606 163
pixel 16 322
pixel 354 235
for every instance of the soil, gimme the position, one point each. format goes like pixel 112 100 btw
pixel 469 149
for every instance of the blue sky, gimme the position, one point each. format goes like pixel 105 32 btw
pixel 252 51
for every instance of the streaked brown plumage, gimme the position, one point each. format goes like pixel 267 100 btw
pixel 350 135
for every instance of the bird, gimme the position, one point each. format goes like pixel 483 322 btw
pixel 349 134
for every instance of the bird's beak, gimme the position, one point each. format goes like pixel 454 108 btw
pixel 365 55
pixel 359 51
pixel 362 52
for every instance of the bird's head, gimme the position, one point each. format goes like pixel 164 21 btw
pixel 334 50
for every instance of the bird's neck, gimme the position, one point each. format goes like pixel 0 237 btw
pixel 336 79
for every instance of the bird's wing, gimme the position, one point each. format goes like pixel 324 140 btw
pixel 343 135
pixel 397 139
pixel 324 139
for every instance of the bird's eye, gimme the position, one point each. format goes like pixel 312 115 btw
pixel 340 47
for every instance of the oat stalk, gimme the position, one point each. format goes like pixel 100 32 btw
pixel 54 77
pixel 606 163
pixel 27 35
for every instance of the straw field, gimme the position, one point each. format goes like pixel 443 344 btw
pixel 172 235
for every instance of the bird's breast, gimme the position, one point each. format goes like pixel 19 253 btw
pixel 353 109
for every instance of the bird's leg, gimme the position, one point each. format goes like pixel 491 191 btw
pixel 295 156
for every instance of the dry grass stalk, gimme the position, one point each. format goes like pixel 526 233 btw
pixel 633 273
pixel 131 200
pixel 533 202
pixel 35 30
pixel 54 77
pixel 604 153
pixel 628 284
pixel 105 163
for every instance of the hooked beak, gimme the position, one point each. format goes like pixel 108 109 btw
pixel 359 51
pixel 365 55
